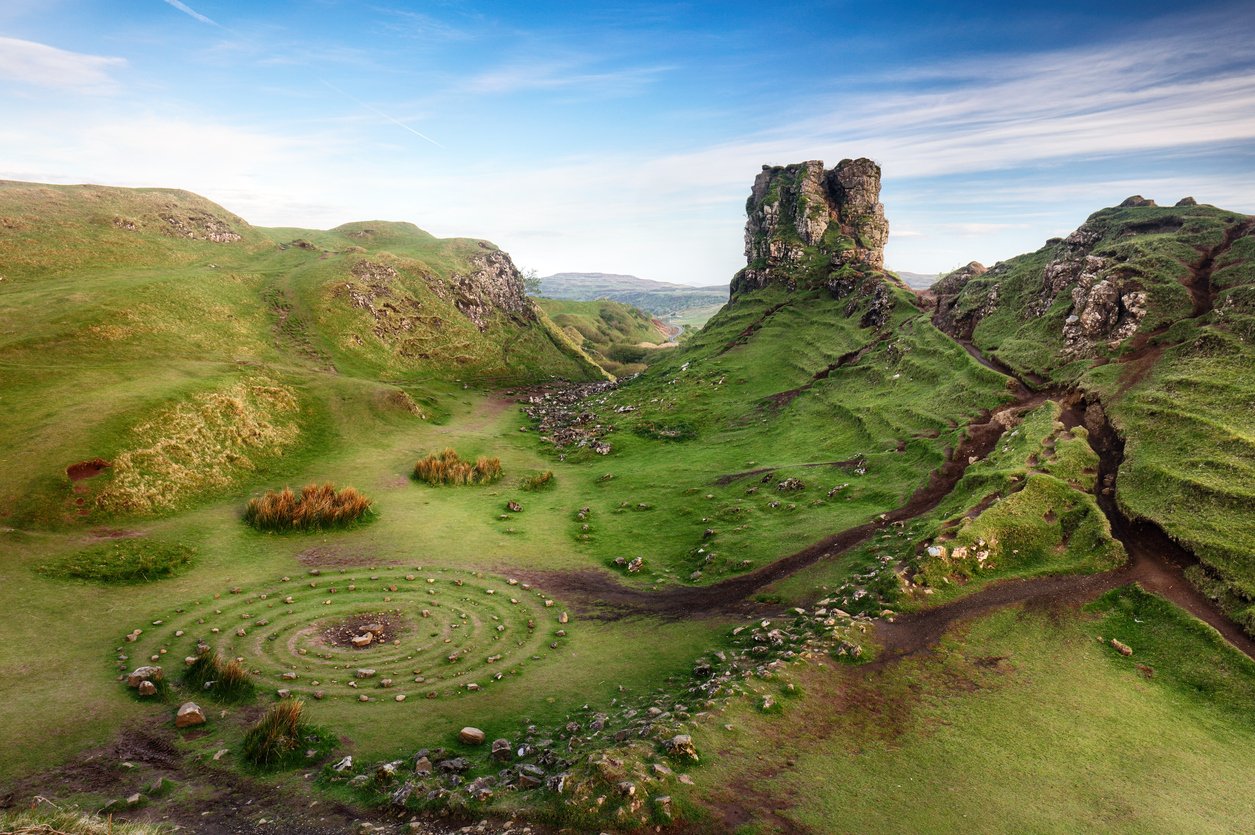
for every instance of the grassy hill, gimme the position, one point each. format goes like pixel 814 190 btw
pixel 1152 309
pixel 124 312
pixel 621 338
pixel 824 475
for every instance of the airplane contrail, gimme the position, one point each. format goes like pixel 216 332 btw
pixel 379 112
pixel 190 12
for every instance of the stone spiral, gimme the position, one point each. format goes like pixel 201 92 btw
pixel 432 633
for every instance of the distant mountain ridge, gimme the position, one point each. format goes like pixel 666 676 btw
pixel 658 298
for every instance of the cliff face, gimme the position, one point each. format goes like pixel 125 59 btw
pixel 808 225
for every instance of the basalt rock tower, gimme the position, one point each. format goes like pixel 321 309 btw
pixel 808 226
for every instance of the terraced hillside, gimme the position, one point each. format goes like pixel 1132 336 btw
pixel 1150 310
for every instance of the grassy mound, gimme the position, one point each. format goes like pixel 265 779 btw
pixel 316 507
pixel 1176 382
pixel 448 468
pixel 125 561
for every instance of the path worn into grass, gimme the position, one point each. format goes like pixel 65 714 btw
pixel 1155 560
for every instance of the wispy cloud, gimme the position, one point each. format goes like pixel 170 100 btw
pixel 192 13
pixel 38 64
pixel 524 76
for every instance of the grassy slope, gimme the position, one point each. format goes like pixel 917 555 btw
pixel 1023 721
pixel 417 525
pixel 619 336
pixel 107 319
pixel 663 494
pixel 1029 501
pixel 1190 453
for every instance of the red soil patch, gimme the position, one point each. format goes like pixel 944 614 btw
pixel 87 469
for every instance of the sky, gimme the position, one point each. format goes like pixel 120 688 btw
pixel 623 137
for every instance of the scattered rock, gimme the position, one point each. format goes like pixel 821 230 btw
pixel 1122 648
pixel 142 674
pixel 471 736
pixel 189 714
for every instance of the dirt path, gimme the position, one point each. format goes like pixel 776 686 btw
pixel 1155 560
pixel 603 595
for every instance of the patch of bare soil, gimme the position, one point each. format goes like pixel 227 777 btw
pixel 87 469
pixel 383 627
pixel 333 556
pixel 220 801
pixel 112 533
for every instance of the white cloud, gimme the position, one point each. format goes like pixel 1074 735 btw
pixel 28 62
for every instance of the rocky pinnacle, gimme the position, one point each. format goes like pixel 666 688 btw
pixel 805 222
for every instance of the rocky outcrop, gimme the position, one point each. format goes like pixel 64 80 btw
pixel 1107 307
pixel 805 224
pixel 950 315
pixel 1137 201
pixel 494 284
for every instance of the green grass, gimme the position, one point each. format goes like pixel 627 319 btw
pixel 708 411
pixel 1189 429
pixel 124 561
pixel 621 338
pixel 1022 722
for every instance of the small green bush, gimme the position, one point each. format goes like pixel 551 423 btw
pixel 123 561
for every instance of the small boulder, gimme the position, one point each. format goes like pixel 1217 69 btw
pixel 681 746
pixel 471 736
pixel 363 640
pixel 147 688
pixel 1122 648
pixel 142 674
pixel 502 750
pixel 1187 201
pixel 513 507
pixel 189 715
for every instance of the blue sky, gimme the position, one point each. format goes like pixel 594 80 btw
pixel 623 137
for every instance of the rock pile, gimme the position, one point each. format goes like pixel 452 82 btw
pixel 563 418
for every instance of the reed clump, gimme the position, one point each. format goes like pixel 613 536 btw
pixel 447 467
pixel 278 736
pixel 316 506
pixel 226 681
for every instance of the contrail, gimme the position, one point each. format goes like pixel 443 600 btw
pixel 190 12
pixel 378 112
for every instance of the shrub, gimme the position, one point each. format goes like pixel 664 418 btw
pixel 448 468
pixel 279 736
pixel 317 506
pixel 227 681
pixel 540 481
pixel 124 561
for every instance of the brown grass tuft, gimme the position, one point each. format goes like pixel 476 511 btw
pixel 316 506
pixel 447 468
